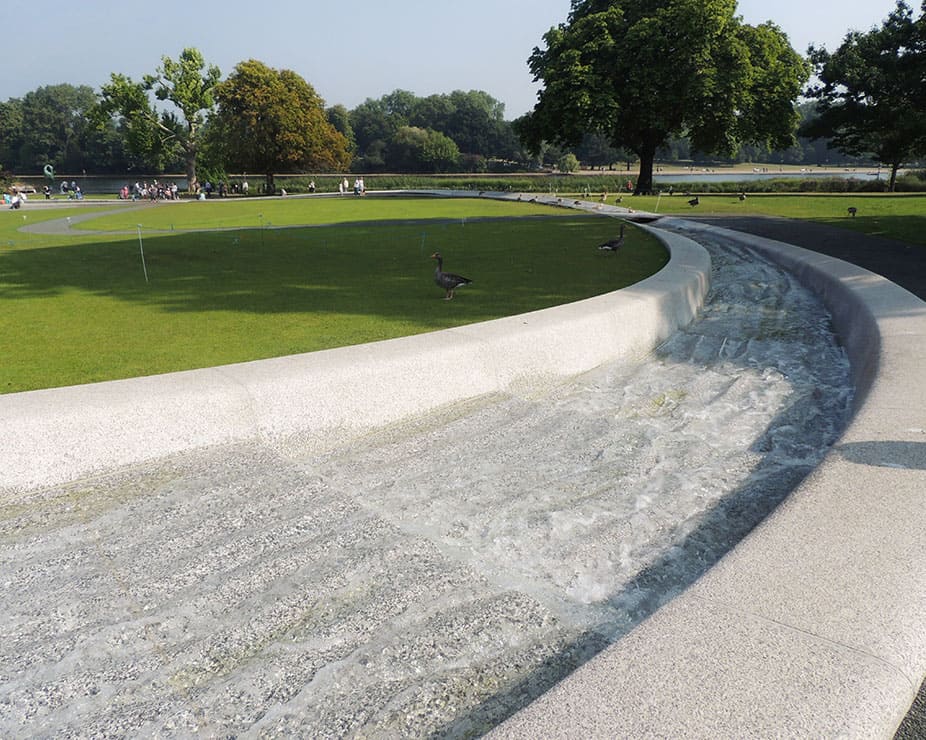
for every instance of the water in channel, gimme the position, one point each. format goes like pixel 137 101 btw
pixel 432 578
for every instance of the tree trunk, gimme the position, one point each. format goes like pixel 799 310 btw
pixel 647 155
pixel 894 167
pixel 192 184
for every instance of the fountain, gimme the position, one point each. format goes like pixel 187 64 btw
pixel 432 575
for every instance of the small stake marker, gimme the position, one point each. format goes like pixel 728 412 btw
pixel 141 248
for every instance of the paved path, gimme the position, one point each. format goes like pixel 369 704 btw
pixel 900 263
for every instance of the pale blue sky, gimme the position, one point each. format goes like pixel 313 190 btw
pixel 348 50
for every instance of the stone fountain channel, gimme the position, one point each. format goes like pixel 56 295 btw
pixel 434 577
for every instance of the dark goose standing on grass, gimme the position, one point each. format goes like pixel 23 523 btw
pixel 612 245
pixel 447 280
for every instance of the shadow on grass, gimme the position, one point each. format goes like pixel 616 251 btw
pixel 358 270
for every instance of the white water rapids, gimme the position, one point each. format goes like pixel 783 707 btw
pixel 432 579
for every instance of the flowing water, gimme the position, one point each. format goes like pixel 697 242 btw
pixel 431 578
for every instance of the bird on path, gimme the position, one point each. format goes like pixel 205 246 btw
pixel 447 280
pixel 612 245
pixel 694 201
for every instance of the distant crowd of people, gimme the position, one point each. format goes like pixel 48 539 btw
pixel 157 190
pixel 154 191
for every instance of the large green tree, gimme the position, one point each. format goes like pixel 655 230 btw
pixel 642 71
pixel 187 84
pixel 375 122
pixel 415 149
pixel 53 125
pixel 872 91
pixel 11 124
pixel 273 121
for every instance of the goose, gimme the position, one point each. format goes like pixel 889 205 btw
pixel 694 201
pixel 852 211
pixel 612 245
pixel 447 280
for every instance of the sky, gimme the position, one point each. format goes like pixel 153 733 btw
pixel 348 50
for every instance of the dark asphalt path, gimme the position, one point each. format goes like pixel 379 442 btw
pixel 901 263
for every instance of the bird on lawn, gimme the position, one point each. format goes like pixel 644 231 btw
pixel 447 280
pixel 852 211
pixel 612 245
pixel 742 196
pixel 694 201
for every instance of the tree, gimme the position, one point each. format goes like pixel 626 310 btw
pixel 11 123
pixel 54 125
pixel 273 121
pixel 473 120
pixel 188 85
pixel 595 151
pixel 568 163
pixel 872 91
pixel 643 71
pixel 476 122
pixel 416 149
pixel 379 120
pixel 339 117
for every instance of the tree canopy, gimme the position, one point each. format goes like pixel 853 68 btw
pixel 473 120
pixel 53 126
pixel 642 71
pixel 872 91
pixel 131 130
pixel 187 84
pixel 273 121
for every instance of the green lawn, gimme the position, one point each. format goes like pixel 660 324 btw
pixel 244 279
pixel 77 309
pixel 255 213
pixel 898 216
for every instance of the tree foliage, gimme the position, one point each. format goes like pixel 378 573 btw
pixel 273 121
pixel 872 91
pixel 53 125
pixel 339 117
pixel 473 120
pixel 415 149
pixel 641 71
pixel 187 83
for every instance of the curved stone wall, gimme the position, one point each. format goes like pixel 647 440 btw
pixel 323 398
pixel 813 625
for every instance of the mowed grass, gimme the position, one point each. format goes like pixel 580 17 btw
pixel 220 213
pixel 77 309
pixel 899 216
